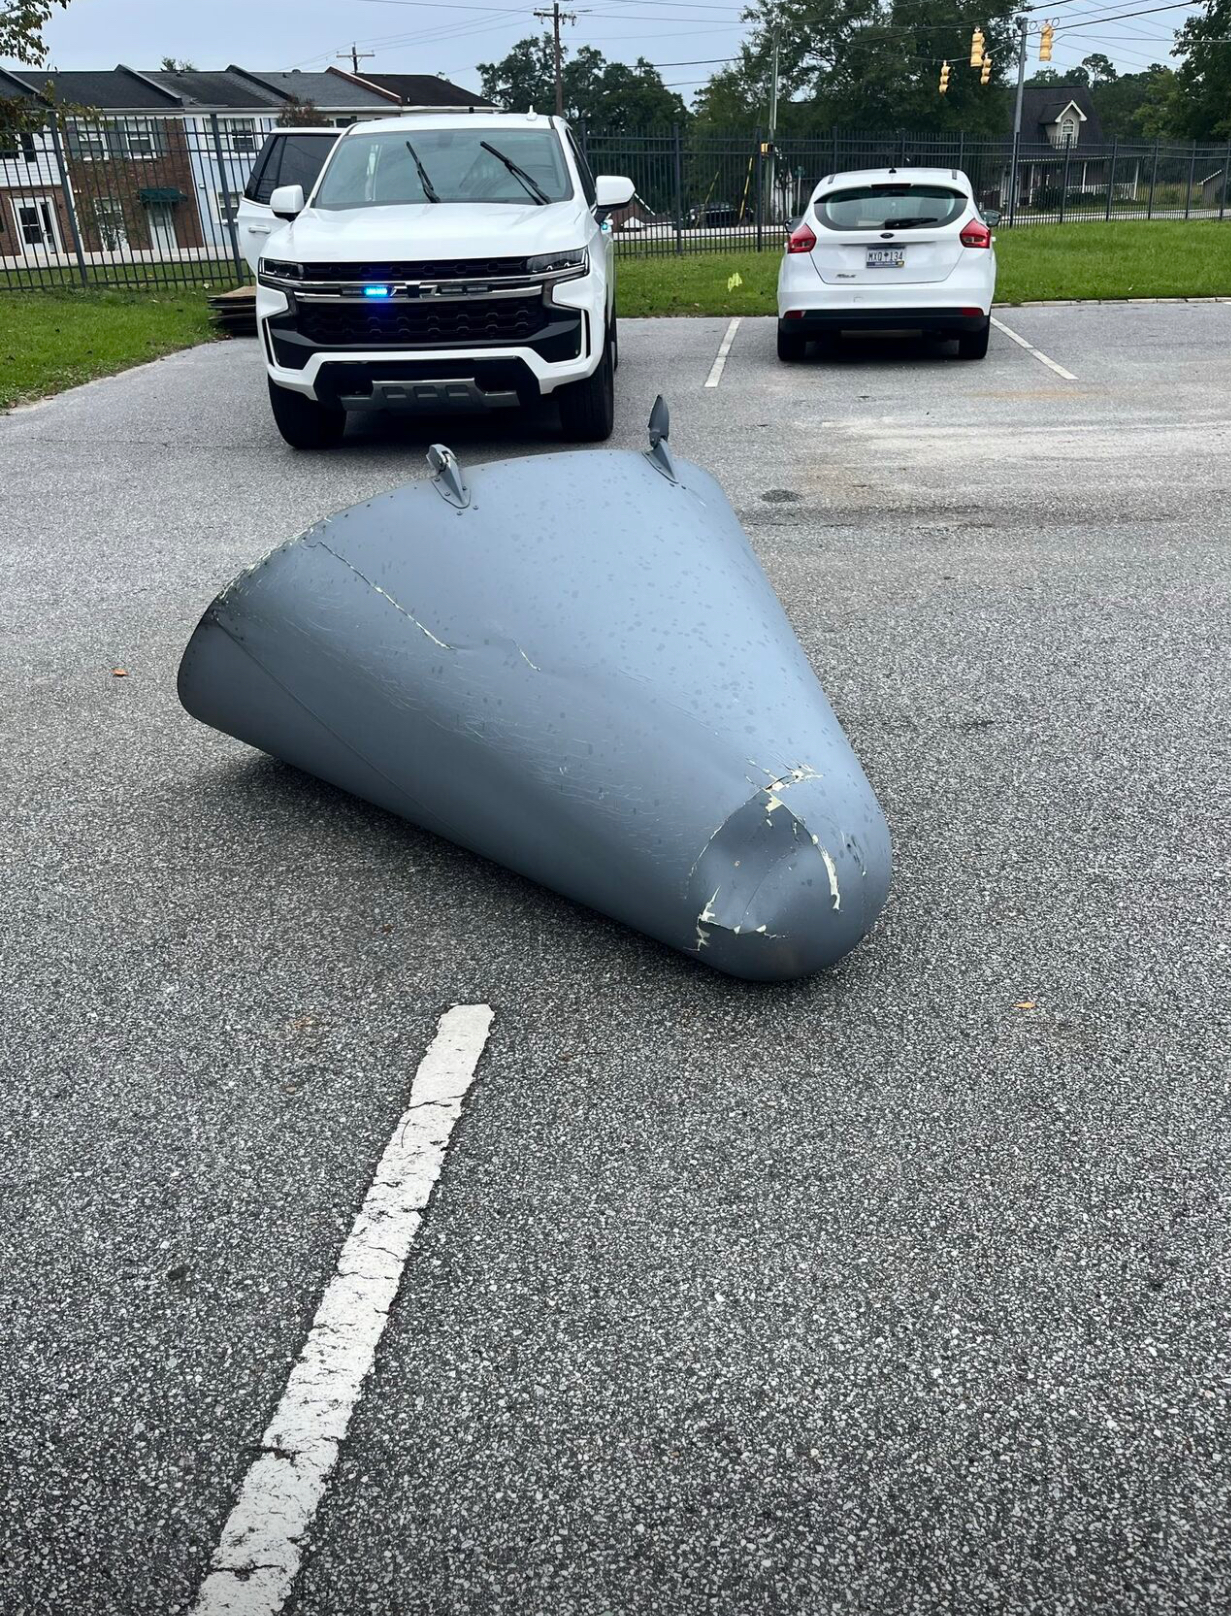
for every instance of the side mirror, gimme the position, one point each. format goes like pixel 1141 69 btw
pixel 286 202
pixel 612 191
pixel 991 217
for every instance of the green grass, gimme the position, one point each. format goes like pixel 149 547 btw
pixel 53 340
pixel 1126 259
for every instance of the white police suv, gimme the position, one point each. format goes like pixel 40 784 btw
pixel 440 261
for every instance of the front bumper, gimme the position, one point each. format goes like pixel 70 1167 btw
pixel 437 367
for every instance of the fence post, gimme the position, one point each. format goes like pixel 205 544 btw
pixel 1153 180
pixel 225 189
pixel 836 164
pixel 677 162
pixel 759 160
pixel 1222 189
pixel 901 148
pixel 70 207
pixel 1064 178
pixel 1188 190
pixel 1111 172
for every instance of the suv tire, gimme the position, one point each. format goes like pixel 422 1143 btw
pixel 587 408
pixel 973 344
pixel 304 423
pixel 792 346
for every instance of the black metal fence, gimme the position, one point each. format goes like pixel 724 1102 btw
pixel 137 202
pixel 701 192
pixel 150 202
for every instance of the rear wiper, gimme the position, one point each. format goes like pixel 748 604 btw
pixel 909 224
pixel 518 172
pixel 428 189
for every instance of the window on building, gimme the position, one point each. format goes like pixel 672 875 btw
pixel 243 134
pixel 141 137
pixel 17 148
pixel 222 198
pixel 109 222
pixel 87 142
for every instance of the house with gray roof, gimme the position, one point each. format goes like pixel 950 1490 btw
pixel 417 89
pixel 1063 147
pixel 155 161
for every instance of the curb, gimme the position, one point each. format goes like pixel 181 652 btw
pixel 1080 302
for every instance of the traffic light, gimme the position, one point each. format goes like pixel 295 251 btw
pixel 944 78
pixel 1046 39
pixel 976 48
pixel 986 75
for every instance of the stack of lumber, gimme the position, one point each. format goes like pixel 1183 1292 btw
pixel 235 312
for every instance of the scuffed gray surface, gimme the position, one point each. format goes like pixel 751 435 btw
pixel 575 665
pixel 875 1293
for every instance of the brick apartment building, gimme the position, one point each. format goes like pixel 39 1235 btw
pixel 154 162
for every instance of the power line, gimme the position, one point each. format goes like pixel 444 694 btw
pixel 1176 5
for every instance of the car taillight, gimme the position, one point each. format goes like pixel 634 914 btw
pixel 976 234
pixel 800 239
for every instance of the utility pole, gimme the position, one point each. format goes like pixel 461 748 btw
pixel 354 53
pixel 556 15
pixel 773 120
pixel 1017 116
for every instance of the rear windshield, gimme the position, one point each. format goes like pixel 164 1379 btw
pixel 454 165
pixel 891 207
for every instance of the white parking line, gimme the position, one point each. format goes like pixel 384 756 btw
pixel 258 1553
pixel 1031 349
pixel 724 348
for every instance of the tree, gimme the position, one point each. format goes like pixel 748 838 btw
pixel 21 29
pixel 1099 69
pixel 1127 105
pixel 608 95
pixel 524 78
pixel 21 38
pixel 170 65
pixel 1198 105
pixel 867 64
pixel 297 112
pixel 1049 75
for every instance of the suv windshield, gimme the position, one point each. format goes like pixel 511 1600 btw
pixel 380 170
pixel 891 207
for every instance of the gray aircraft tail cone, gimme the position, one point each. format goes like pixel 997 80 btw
pixel 572 664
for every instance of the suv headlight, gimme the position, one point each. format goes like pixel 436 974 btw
pixel 275 270
pixel 571 262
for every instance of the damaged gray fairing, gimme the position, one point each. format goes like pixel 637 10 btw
pixel 572 664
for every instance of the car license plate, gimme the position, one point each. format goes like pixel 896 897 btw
pixel 886 257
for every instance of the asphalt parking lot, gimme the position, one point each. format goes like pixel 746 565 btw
pixel 900 1289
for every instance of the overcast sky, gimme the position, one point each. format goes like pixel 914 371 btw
pixel 682 37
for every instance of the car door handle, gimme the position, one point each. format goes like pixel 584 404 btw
pixel 260 229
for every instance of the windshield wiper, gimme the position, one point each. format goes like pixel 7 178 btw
pixel 518 172
pixel 428 189
pixel 909 224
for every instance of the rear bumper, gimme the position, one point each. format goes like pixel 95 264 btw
pixel 814 322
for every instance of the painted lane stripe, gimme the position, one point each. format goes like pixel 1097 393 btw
pixel 724 348
pixel 259 1551
pixel 1033 351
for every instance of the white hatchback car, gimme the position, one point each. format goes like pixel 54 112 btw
pixel 888 249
